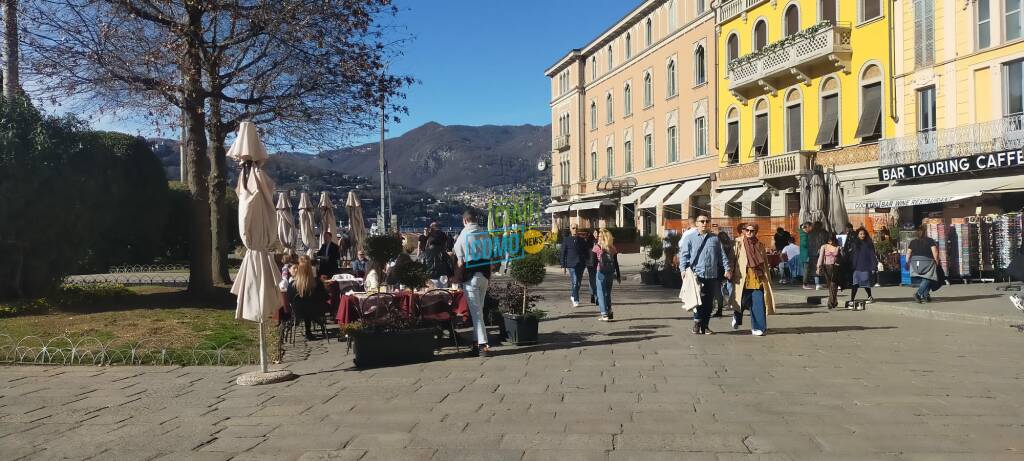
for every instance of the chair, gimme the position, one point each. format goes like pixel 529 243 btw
pixel 437 306
pixel 376 307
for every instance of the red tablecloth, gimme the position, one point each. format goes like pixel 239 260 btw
pixel 407 300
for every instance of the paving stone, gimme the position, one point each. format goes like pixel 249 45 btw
pixel 332 455
pixel 233 444
pixel 557 441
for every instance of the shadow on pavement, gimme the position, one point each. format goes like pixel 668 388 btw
pixel 938 298
pixel 808 330
pixel 556 341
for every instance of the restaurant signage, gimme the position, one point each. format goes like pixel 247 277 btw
pixel 956 165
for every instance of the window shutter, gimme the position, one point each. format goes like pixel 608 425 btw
pixel 929 32
pixel 918 32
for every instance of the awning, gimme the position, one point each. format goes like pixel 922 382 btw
pixel 732 145
pixel 658 196
pixel 752 194
pixel 937 192
pixel 682 195
pixel 829 120
pixel 871 112
pixel 591 204
pixel 760 134
pixel 721 198
pixel 557 208
pixel 636 195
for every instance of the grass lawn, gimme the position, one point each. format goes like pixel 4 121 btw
pixel 165 318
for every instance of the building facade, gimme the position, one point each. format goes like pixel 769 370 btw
pixel 804 86
pixel 632 116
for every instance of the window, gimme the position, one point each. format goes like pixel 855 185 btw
pixel 671 76
pixel 673 145
pixel 593 115
pixel 760 146
pixel 732 130
pixel 732 48
pixel 627 150
pixel 700 7
pixel 627 100
pixel 699 72
pixel 983 36
pixel 827 10
pixel 926 109
pixel 629 46
pixel 700 137
pixel 791 21
pixel 649 29
pixel 924 33
pixel 828 131
pixel 593 68
pixel 672 13
pixel 648 151
pixel 869 127
pixel 648 90
pixel 611 58
pixel 871 9
pixel 760 35
pixel 593 165
pixel 793 121
pixel 1013 22
pixel 1013 87
pixel 610 117
pixel 610 162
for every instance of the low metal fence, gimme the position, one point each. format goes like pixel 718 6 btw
pixel 148 268
pixel 65 350
pixel 168 279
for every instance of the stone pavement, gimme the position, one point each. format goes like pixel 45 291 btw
pixel 821 385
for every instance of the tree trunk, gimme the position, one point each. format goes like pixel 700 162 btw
pixel 10 76
pixel 200 275
pixel 218 190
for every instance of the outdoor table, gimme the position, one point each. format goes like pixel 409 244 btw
pixel 407 301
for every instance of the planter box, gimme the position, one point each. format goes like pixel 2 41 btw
pixel 649 278
pixel 521 330
pixel 392 348
pixel 671 278
pixel 889 278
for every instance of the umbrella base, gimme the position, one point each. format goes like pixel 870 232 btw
pixel 257 378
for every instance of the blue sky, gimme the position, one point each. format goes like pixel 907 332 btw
pixel 481 62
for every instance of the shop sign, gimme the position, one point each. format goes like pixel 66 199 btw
pixel 956 165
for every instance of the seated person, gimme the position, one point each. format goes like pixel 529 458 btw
pixel 307 296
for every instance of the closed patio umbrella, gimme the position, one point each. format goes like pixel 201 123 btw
pixel 805 199
pixel 837 214
pixel 306 232
pixel 285 223
pixel 328 223
pixel 817 201
pixel 258 277
pixel 357 229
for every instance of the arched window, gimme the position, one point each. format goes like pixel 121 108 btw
pixel 672 13
pixel 794 116
pixel 670 74
pixel 732 133
pixel 732 48
pixel 611 58
pixel 629 46
pixel 760 145
pixel 673 144
pixel 609 108
pixel 648 150
pixel 869 126
pixel 699 72
pixel 700 7
pixel 609 162
pixel 649 29
pixel 593 68
pixel 827 11
pixel 828 131
pixel 791 20
pixel 648 90
pixel 627 100
pixel 871 9
pixel 627 151
pixel 593 115
pixel 760 35
pixel 593 165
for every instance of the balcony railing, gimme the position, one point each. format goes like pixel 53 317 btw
pixel 979 138
pixel 580 188
pixel 559 191
pixel 561 142
pixel 734 8
pixel 790 58
pixel 785 166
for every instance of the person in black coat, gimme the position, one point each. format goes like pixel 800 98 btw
pixel 573 258
pixel 307 296
pixel 591 262
pixel 328 256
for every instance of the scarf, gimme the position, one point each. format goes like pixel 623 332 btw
pixel 755 259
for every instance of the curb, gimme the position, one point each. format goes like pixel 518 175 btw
pixel 909 311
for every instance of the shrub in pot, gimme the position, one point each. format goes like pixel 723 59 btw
pixel 522 321
pixel 649 272
pixel 382 248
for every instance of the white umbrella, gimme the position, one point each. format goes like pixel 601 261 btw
pixel 258 277
pixel 328 223
pixel 805 199
pixel 306 224
pixel 837 214
pixel 357 229
pixel 285 222
pixel 817 202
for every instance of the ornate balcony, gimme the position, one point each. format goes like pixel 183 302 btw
pixel 561 143
pixel 732 8
pixel 817 50
pixel 559 191
pixel 787 166
pixel 738 172
pixel 979 138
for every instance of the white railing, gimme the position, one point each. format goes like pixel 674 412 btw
pixel 560 190
pixel 979 138
pixel 733 8
pixel 780 57
pixel 561 142
pixel 784 166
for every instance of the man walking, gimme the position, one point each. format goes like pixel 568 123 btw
pixel 572 261
pixel 703 253
pixel 470 247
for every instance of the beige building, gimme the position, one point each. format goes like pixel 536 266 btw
pixel 636 106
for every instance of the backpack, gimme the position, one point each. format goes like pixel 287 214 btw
pixel 607 263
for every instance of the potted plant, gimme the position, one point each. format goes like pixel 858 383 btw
pixel 649 272
pixel 522 321
pixel 382 248
pixel 650 268
pixel 412 274
pixel 394 338
pixel 890 273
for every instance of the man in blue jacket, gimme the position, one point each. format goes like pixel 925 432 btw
pixel 573 258
pixel 703 252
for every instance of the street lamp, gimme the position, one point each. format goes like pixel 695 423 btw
pixel 382 223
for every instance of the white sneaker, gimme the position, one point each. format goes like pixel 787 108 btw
pixel 757 332
pixel 575 303
pixel 817 287
pixel 735 326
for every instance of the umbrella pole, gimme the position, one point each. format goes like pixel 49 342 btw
pixel 263 351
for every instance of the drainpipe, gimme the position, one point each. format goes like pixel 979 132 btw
pixel 892 64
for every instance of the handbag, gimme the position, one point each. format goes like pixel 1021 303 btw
pixel 689 293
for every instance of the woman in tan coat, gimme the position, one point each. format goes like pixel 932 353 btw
pixel 752 282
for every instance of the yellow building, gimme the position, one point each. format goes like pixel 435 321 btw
pixel 635 106
pixel 802 84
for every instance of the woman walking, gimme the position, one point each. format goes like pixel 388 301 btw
pixel 922 258
pixel 863 263
pixel 607 266
pixel 752 284
pixel 828 267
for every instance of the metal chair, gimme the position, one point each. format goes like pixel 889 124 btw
pixel 437 307
pixel 376 307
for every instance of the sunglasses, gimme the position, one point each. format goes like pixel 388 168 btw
pixel 750 230
pixel 702 220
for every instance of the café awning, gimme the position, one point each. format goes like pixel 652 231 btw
pixel 752 194
pixel 936 192
pixel 682 195
pixel 722 197
pixel 591 204
pixel 658 196
pixel 637 194
pixel 557 208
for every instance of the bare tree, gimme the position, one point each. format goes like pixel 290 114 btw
pixel 10 76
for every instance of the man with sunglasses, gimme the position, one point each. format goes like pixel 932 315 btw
pixel 703 252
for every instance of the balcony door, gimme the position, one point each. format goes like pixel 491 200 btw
pixel 792 19
pixel 760 35
pixel 828 11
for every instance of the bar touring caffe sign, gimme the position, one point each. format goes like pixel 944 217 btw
pixel 956 165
